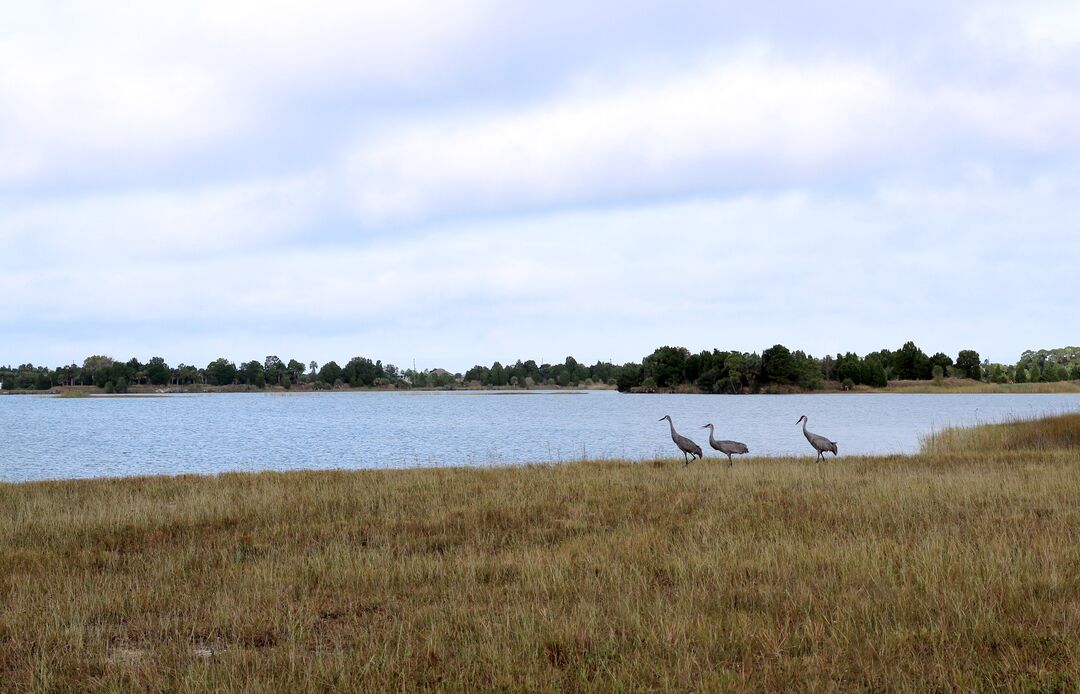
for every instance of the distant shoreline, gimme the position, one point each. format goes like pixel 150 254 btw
pixel 950 386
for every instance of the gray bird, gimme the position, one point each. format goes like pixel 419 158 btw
pixel 820 443
pixel 685 445
pixel 728 448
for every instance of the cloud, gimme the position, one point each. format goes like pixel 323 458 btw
pixel 200 222
pixel 821 273
pixel 760 121
pixel 1038 34
pixel 477 181
pixel 89 91
pixel 655 135
pixel 64 116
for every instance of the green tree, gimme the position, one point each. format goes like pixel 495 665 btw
pixel 806 370
pixel 1055 372
pixel 361 371
pixel 157 371
pixel 296 370
pixel 943 360
pixel 478 374
pixel 708 380
pixel 849 367
pixel 666 366
pixel 630 376
pixel 778 366
pixel 329 373
pixel 498 375
pixel 736 368
pixel 969 364
pixel 911 363
pixel 252 374
pixel 221 372
pixel 273 369
pixel 96 370
pixel 873 373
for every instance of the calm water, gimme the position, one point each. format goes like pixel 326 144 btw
pixel 46 438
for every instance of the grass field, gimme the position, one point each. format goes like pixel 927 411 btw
pixel 967 385
pixel 958 568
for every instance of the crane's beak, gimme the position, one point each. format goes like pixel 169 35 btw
pixel 661 419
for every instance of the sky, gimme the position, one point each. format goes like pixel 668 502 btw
pixel 450 183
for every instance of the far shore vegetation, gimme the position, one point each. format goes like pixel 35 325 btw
pixel 954 569
pixel 667 369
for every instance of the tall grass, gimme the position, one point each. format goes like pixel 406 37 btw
pixel 926 573
pixel 967 385
pixel 1060 432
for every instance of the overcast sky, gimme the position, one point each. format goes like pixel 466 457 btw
pixel 459 182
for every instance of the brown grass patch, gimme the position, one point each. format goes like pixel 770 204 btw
pixel 1060 432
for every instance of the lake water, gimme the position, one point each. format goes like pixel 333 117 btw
pixel 51 438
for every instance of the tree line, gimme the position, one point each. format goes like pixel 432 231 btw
pixel 666 368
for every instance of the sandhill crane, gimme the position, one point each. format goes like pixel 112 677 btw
pixel 728 448
pixel 685 445
pixel 820 443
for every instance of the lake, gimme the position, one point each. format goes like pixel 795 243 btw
pixel 54 438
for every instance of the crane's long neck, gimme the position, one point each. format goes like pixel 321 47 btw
pixel 712 440
pixel 804 425
pixel 672 425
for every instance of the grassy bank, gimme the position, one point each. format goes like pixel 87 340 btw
pixel 967 385
pixel 1061 432
pixel 956 568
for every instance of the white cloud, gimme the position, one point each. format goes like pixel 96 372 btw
pixel 654 136
pixel 86 90
pixel 152 225
pixel 756 122
pixel 1039 33
pixel 819 273
pixel 60 117
pixel 615 182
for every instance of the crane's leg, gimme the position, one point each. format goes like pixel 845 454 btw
pixel 729 460
pixel 685 460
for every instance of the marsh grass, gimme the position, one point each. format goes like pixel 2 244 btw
pixel 72 393
pixel 949 570
pixel 1061 432
pixel 967 385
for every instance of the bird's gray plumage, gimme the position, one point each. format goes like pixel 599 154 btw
pixel 685 445
pixel 819 442
pixel 728 448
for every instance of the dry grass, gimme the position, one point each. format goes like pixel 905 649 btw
pixel 1056 433
pixel 943 571
pixel 967 385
